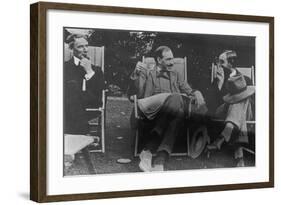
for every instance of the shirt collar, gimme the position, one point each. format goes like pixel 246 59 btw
pixel 162 73
pixel 159 70
pixel 233 73
pixel 76 60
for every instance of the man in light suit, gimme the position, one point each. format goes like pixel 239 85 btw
pixel 159 91
pixel 83 85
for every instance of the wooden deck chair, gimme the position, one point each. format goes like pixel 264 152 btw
pixel 96 55
pixel 180 66
pixel 250 73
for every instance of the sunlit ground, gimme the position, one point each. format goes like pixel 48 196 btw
pixel 119 143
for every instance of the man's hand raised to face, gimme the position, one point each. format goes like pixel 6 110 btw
pixel 86 64
pixel 141 67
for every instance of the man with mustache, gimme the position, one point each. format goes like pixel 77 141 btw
pixel 83 85
pixel 159 91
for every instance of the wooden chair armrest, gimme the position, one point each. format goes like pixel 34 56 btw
pixel 103 103
pixel 103 98
pixel 136 106
pixel 94 109
pixel 247 121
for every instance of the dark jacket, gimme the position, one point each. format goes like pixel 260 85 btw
pixel 76 100
pixel 92 97
pixel 215 98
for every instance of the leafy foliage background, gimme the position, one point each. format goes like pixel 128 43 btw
pixel 124 48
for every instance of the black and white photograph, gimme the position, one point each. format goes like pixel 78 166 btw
pixel 136 102
pixel 139 101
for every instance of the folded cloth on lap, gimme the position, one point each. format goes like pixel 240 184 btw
pixel 150 106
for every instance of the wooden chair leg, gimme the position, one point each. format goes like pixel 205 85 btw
pixel 136 143
pixel 103 131
pixel 188 142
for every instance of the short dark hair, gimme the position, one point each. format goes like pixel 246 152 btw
pixel 159 52
pixel 71 38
